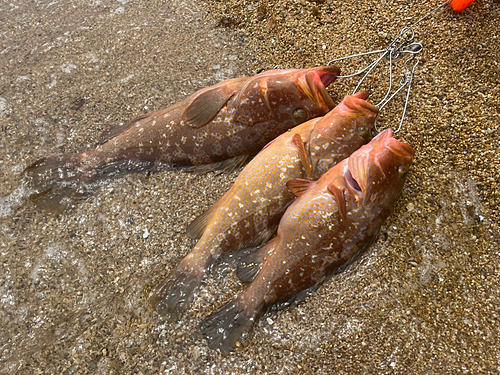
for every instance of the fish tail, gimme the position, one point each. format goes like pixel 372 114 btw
pixel 56 172
pixel 175 293
pixel 225 327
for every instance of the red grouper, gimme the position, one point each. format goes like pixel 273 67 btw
pixel 249 213
pixel 217 127
pixel 333 221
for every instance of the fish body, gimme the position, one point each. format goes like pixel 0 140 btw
pixel 219 126
pixel 249 213
pixel 328 226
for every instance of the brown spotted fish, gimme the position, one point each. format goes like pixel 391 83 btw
pixel 215 128
pixel 249 213
pixel 333 221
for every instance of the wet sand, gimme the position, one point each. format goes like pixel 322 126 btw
pixel 424 298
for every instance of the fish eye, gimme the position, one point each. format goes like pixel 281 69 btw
pixel 300 115
pixel 362 130
pixel 402 170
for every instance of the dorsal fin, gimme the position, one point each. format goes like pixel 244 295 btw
pixel 340 198
pixel 297 141
pixel 119 129
pixel 197 227
pixel 206 103
pixel 299 186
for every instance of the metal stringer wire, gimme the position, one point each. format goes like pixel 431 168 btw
pixel 403 45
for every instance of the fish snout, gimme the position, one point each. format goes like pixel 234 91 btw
pixel 356 106
pixel 327 74
pixel 398 148
pixel 358 103
pixel 313 83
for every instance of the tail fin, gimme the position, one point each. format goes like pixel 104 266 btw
pixel 53 182
pixel 226 326
pixel 174 294
pixel 55 172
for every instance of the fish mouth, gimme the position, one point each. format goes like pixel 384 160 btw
pixel 357 173
pixel 328 74
pixel 355 176
pixel 351 181
pixel 359 105
pixel 398 148
pixel 313 84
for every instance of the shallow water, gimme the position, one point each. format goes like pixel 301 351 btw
pixel 424 299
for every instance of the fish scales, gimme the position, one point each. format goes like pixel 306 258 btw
pixel 327 227
pixel 248 214
pixel 249 208
pixel 215 128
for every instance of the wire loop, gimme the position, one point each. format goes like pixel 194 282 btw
pixel 402 46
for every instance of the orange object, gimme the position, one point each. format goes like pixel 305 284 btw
pixel 459 5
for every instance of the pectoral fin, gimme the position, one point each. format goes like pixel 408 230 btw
pixel 299 186
pixel 340 199
pixel 206 103
pixel 297 141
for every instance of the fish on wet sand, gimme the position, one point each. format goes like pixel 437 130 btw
pixel 333 221
pixel 215 128
pixel 249 213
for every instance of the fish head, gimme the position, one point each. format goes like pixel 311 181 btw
pixel 356 114
pixel 349 125
pixel 286 97
pixel 376 173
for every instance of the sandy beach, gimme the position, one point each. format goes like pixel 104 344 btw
pixel 424 299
